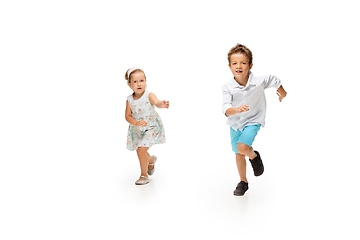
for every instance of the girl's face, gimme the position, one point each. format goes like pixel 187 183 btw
pixel 138 82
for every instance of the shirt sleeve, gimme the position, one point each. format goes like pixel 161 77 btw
pixel 227 99
pixel 272 81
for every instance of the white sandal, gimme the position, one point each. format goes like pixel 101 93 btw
pixel 151 172
pixel 142 182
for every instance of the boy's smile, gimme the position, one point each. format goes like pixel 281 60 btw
pixel 240 67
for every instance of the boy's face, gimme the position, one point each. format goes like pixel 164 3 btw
pixel 239 66
pixel 138 82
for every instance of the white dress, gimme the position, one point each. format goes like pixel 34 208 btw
pixel 153 133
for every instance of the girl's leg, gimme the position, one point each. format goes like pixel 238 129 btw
pixel 241 165
pixel 144 161
pixel 150 160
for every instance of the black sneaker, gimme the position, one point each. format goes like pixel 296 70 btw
pixel 241 188
pixel 257 165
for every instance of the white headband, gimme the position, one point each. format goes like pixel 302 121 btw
pixel 131 70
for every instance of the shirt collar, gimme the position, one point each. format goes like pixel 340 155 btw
pixel 249 82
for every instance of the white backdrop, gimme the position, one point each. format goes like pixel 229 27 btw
pixel 65 172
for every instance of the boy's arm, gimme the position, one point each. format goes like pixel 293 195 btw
pixel 233 111
pixel 227 100
pixel 228 110
pixel 281 93
pixel 273 81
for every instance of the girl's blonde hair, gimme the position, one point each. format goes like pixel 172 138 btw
pixel 128 79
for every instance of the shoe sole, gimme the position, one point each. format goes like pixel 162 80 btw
pixel 141 183
pixel 239 195
pixel 259 174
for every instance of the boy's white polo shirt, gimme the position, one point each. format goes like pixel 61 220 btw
pixel 253 95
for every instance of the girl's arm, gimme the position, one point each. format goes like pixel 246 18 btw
pixel 158 103
pixel 130 119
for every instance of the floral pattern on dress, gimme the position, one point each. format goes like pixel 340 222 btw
pixel 153 133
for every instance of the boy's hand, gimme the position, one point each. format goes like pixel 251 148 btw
pixel 141 124
pixel 163 104
pixel 243 108
pixel 233 111
pixel 281 93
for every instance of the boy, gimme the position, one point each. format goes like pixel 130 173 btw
pixel 245 106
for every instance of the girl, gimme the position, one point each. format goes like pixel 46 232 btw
pixel 146 128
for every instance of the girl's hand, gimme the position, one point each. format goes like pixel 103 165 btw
pixel 158 103
pixel 163 104
pixel 141 124
pixel 243 108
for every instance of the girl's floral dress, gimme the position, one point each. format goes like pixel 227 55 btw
pixel 153 133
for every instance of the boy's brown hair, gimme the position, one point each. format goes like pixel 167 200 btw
pixel 240 49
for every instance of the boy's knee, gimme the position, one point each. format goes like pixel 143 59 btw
pixel 240 156
pixel 242 148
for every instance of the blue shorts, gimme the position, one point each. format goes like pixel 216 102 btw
pixel 246 136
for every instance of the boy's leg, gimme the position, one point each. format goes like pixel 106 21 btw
pixel 246 139
pixel 144 160
pixel 244 147
pixel 242 186
pixel 254 158
pixel 241 165
pixel 246 150
pixel 240 158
